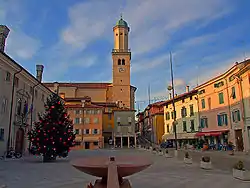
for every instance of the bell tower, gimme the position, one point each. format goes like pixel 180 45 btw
pixel 121 57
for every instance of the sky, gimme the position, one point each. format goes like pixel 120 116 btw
pixel 73 39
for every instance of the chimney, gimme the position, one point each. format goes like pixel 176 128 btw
pixel 39 72
pixel 187 89
pixel 170 96
pixel 4 31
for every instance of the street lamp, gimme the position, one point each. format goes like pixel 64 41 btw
pixel 171 88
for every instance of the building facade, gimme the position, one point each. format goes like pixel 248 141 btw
pixel 124 130
pixel 187 117
pixel 221 108
pixel 22 97
pixel 87 120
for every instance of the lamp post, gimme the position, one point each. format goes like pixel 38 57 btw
pixel 171 88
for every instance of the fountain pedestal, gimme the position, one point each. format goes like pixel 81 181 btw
pixel 112 170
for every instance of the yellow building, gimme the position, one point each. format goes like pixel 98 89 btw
pixel 187 117
pixel 119 93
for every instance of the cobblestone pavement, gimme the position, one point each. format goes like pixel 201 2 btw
pixel 30 172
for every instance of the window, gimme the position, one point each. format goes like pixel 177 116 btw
pixel 25 108
pixel 201 91
pixel 184 124
pixel 95 131
pixel 173 115
pixel 77 131
pixel 95 143
pixel 88 111
pixel 110 116
pixel 77 143
pixel 167 128
pixel 7 77
pixel 31 89
pixel 236 116
pixel 120 33
pixel 86 120
pixel 233 93
pixel 87 131
pixel 183 112
pixel 222 119
pixel 192 125
pixel 1 134
pixel 116 34
pixel 203 104
pixel 118 119
pixel 77 120
pixel 96 120
pixel 231 78
pixel 77 111
pixel 209 102
pixel 4 106
pixel 167 116
pixel 16 81
pixel 19 107
pixel 191 108
pixel 123 61
pixel 204 123
pixel 190 98
pixel 183 100
pixel 119 62
pixel 221 98
pixel 219 84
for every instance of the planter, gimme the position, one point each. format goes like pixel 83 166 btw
pixel 150 148
pixel 160 153
pixel 154 151
pixel 206 165
pixel 167 155
pixel 241 174
pixel 188 160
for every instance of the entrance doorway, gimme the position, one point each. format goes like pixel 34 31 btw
pixel 86 145
pixel 19 140
pixel 239 140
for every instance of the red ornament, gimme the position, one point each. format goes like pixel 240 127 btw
pixel 58 102
pixel 52 107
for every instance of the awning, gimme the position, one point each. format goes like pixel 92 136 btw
pixel 212 133
pixel 179 136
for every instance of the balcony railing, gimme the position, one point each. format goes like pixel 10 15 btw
pixel 121 50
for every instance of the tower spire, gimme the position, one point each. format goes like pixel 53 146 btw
pixel 121 15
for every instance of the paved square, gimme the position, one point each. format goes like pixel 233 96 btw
pixel 30 172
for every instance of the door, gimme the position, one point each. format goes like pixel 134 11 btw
pixel 19 140
pixel 86 145
pixel 239 140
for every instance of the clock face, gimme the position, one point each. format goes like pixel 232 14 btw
pixel 121 69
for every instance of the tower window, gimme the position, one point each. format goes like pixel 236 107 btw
pixel 125 34
pixel 123 61
pixel 116 34
pixel 121 89
pixel 120 33
pixel 121 80
pixel 119 61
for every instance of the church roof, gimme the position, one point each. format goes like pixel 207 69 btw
pixel 80 85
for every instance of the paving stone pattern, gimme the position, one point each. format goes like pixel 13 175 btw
pixel 30 172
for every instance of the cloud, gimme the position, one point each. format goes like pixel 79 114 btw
pixel 21 45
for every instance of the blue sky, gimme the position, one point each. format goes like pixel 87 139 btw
pixel 74 39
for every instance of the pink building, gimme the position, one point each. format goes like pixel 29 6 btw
pixel 221 109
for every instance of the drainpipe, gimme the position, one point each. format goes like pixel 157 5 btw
pixel 31 114
pixel 229 107
pixel 11 108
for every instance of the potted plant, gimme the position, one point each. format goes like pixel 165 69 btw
pixel 167 154
pixel 160 152
pixel 206 163
pixel 154 150
pixel 187 158
pixel 239 172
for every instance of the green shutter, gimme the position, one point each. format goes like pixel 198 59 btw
pixel 219 120
pixel 221 98
pixel 238 115
pixel 226 122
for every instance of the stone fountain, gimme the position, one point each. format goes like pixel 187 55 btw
pixel 111 170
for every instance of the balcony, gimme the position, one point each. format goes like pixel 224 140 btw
pixel 121 51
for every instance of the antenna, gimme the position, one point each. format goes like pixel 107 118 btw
pixel 121 15
pixel 149 94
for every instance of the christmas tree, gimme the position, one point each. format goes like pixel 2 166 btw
pixel 53 134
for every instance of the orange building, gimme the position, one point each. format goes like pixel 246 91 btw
pixel 221 109
pixel 110 96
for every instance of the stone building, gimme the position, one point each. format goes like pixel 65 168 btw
pixel 22 97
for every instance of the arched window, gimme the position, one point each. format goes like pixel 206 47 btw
pixel 119 61
pixel 19 106
pixel 123 61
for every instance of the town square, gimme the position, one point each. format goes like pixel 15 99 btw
pixel 123 94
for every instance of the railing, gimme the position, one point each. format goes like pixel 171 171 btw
pixel 121 50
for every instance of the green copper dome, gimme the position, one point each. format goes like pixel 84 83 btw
pixel 122 23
